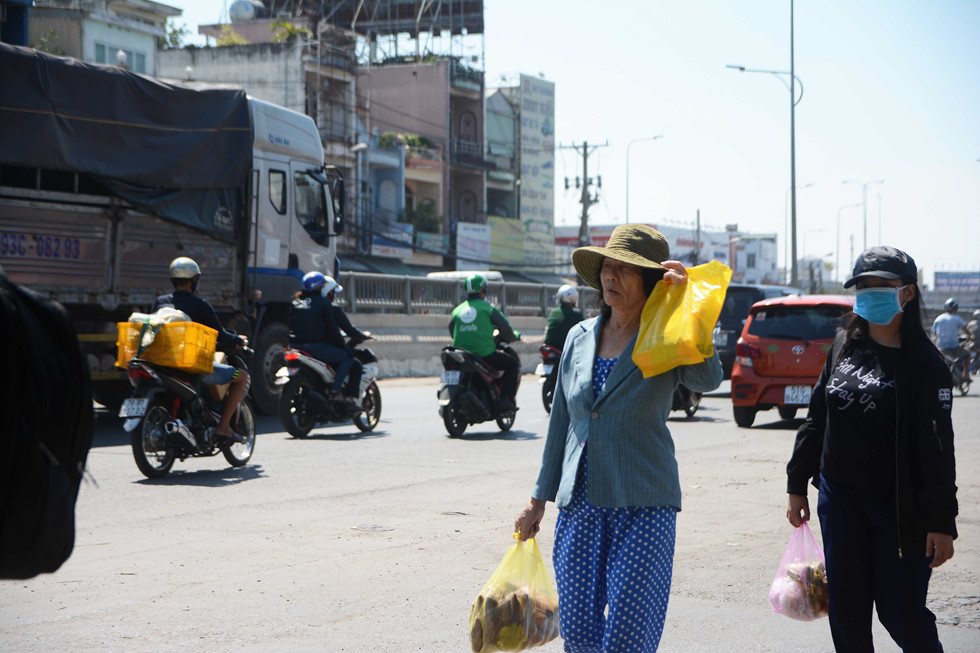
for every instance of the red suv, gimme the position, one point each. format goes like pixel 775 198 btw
pixel 781 351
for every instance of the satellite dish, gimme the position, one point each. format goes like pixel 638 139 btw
pixel 244 11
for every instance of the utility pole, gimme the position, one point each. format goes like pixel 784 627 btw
pixel 587 199
pixel 697 240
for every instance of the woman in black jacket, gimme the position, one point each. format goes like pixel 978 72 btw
pixel 878 443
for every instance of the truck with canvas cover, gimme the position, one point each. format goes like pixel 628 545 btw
pixel 106 176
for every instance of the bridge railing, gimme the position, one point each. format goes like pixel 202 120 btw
pixel 366 292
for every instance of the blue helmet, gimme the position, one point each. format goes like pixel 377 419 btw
pixel 313 280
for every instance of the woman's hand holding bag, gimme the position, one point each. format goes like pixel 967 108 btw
pixel 678 319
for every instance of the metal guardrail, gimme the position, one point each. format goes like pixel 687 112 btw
pixel 366 292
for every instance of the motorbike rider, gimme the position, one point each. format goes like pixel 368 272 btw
pixel 973 326
pixel 185 275
pixel 472 326
pixel 317 325
pixel 945 332
pixel 563 317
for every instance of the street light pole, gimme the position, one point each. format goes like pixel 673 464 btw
pixel 864 203
pixel 786 222
pixel 807 233
pixel 636 140
pixel 793 101
pixel 837 242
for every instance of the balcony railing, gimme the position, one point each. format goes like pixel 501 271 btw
pixel 465 77
pixel 468 153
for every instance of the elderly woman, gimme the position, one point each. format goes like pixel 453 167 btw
pixel 609 459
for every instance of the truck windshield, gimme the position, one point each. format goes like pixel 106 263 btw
pixel 311 206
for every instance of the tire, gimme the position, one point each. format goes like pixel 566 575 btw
pixel 296 414
pixel 455 425
pixel 692 407
pixel 266 361
pixel 371 403
pixel 547 394
pixel 787 412
pixel 238 454
pixel 505 422
pixel 152 450
pixel 744 415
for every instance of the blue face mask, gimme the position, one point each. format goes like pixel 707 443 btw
pixel 877 305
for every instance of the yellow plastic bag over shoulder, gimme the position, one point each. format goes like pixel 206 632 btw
pixel 518 607
pixel 677 321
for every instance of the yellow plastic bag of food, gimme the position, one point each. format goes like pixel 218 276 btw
pixel 518 607
pixel 677 321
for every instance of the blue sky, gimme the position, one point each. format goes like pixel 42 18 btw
pixel 891 91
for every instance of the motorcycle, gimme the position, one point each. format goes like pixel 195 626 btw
pixel 686 399
pixel 548 371
pixel 304 402
pixel 961 381
pixel 470 390
pixel 171 416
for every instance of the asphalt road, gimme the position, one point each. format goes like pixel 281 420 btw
pixel 380 542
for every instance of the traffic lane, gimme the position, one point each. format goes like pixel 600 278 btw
pixel 381 543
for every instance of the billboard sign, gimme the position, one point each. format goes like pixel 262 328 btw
pixel 537 207
pixel 957 282
pixel 472 246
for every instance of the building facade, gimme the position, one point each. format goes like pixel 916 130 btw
pixel 117 32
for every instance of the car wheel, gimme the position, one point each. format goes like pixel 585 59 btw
pixel 787 412
pixel 744 415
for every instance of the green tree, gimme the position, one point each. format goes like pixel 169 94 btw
pixel 229 36
pixel 423 218
pixel 48 42
pixel 174 37
pixel 283 31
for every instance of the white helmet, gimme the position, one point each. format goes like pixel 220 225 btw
pixel 567 294
pixel 183 267
pixel 329 285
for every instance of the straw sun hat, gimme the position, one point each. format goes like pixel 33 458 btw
pixel 637 244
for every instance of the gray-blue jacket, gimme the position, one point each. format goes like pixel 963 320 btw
pixel 631 454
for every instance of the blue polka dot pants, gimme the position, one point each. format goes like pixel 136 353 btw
pixel 616 558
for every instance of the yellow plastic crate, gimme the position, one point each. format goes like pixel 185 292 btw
pixel 187 346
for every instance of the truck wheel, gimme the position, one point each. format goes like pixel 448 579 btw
pixel 266 362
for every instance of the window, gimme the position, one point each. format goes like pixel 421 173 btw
pixel 750 261
pixel 106 53
pixel 797 322
pixel 277 190
pixel 311 207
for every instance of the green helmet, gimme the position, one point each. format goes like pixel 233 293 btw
pixel 475 283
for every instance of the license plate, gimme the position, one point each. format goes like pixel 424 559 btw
pixel 720 339
pixel 133 407
pixel 543 370
pixel 797 394
pixel 450 377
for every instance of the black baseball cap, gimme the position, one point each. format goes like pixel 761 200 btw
pixel 884 262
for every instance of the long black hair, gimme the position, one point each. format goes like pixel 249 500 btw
pixel 650 278
pixel 856 327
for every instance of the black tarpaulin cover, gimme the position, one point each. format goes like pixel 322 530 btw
pixel 179 153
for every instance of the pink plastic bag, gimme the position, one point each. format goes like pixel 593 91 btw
pixel 799 589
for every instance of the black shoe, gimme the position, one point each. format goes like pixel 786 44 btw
pixel 506 405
